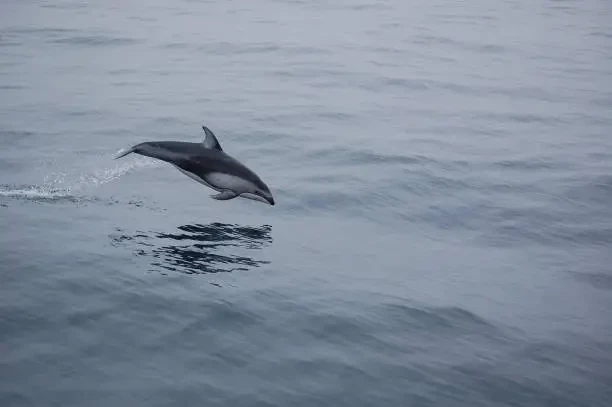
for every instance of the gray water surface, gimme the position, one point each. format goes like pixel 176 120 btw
pixel 443 227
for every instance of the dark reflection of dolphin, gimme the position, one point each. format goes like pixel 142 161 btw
pixel 200 249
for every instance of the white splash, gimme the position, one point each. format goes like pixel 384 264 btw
pixel 104 176
pixel 34 192
pixel 63 186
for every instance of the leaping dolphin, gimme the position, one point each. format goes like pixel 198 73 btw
pixel 208 164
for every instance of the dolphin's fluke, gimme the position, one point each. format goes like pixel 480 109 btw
pixel 123 152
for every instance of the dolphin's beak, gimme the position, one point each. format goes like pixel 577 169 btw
pixel 255 197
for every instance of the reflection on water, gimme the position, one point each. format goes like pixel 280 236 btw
pixel 197 249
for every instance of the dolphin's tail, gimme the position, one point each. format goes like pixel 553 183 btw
pixel 124 151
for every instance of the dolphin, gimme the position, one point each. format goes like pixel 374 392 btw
pixel 208 164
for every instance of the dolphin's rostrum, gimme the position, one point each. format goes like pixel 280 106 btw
pixel 208 164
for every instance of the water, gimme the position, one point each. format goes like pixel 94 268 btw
pixel 443 178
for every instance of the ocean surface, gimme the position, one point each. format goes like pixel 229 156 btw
pixel 443 228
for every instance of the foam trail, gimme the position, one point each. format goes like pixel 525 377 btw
pixel 59 186
pixel 36 193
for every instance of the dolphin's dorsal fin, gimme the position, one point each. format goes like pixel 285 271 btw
pixel 210 141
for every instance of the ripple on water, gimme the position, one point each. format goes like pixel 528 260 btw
pixel 556 373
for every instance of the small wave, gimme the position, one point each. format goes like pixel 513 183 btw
pixel 344 156
pixel 531 164
pixel 600 281
pixel 522 118
pixel 12 87
pixel 94 40
pixel 455 319
pixel 42 30
pixel 602 34
pixel 174 45
pixel 15 134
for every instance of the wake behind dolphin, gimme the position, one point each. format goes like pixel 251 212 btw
pixel 208 164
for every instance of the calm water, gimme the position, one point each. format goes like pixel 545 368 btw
pixel 443 227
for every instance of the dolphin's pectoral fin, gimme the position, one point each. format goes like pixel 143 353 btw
pixel 210 141
pixel 225 195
